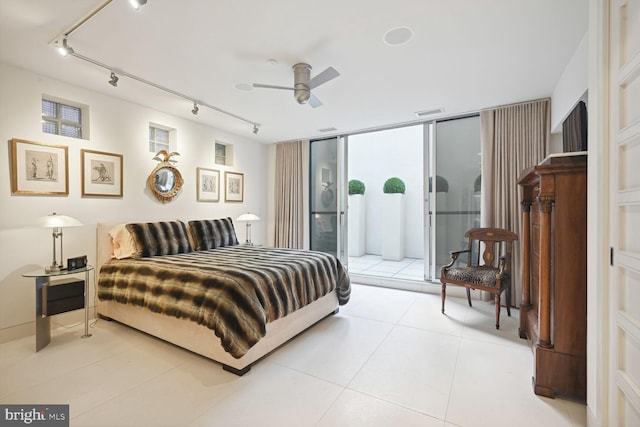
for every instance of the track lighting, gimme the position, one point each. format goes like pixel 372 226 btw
pixel 113 81
pixel 195 109
pixel 137 3
pixel 65 49
pixel 255 129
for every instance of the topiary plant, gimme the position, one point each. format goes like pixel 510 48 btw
pixel 442 186
pixel 393 185
pixel 356 187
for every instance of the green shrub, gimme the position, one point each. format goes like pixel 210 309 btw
pixel 356 187
pixel 393 185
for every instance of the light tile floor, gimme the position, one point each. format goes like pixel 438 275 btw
pixel 389 358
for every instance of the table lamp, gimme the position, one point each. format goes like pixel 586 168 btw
pixel 248 217
pixel 57 222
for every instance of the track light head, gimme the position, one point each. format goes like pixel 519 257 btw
pixel 255 129
pixel 137 3
pixel 113 81
pixel 65 49
pixel 195 109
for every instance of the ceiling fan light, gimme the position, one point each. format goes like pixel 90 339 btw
pixel 302 96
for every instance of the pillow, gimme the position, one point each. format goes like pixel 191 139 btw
pixel 212 233
pixel 122 242
pixel 160 238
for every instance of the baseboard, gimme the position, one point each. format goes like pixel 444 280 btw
pixel 68 319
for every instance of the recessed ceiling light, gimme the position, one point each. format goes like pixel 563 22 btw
pixel 272 61
pixel 398 36
pixel 243 86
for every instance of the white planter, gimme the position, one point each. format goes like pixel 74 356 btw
pixel 393 227
pixel 357 224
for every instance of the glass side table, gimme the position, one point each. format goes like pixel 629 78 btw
pixel 43 322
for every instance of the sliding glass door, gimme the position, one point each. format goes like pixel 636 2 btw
pixel 452 199
pixel 328 196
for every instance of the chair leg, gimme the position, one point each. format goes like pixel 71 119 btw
pixel 469 296
pixel 498 310
pixel 444 295
pixel 508 302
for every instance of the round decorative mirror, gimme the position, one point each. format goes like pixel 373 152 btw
pixel 165 180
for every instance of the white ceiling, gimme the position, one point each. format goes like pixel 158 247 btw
pixel 465 55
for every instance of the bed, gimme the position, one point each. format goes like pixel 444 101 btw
pixel 193 285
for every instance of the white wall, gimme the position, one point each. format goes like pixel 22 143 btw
pixel 572 86
pixel 116 127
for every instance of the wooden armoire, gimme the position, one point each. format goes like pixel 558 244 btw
pixel 553 311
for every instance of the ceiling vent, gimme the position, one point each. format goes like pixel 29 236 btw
pixel 331 129
pixel 429 112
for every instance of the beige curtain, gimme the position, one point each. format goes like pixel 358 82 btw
pixel 292 159
pixel 513 138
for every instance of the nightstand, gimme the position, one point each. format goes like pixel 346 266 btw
pixel 58 296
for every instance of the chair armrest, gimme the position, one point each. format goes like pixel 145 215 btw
pixel 454 257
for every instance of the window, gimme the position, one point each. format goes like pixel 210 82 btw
pixel 221 154
pixel 224 153
pixel 158 139
pixel 60 118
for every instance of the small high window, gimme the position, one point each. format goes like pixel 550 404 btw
pixel 158 139
pixel 224 154
pixel 61 118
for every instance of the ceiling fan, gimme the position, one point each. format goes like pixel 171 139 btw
pixel 303 83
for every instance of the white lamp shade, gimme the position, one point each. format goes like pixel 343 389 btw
pixel 248 217
pixel 57 221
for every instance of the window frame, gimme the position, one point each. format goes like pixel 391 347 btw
pixel 82 126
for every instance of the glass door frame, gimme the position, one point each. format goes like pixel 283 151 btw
pixel 341 193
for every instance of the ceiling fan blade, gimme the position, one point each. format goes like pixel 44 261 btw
pixel 328 74
pixel 314 101
pixel 271 86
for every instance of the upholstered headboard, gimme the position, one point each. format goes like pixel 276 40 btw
pixel 103 242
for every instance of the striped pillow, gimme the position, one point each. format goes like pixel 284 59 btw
pixel 212 233
pixel 160 238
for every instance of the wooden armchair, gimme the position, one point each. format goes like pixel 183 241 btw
pixel 489 245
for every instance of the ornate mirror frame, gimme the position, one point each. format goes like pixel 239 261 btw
pixel 157 188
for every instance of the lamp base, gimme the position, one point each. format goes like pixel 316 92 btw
pixel 52 269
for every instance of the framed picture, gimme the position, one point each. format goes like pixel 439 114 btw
pixel 38 168
pixel 101 174
pixel 208 185
pixel 234 185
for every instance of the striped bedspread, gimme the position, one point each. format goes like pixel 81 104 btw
pixel 233 290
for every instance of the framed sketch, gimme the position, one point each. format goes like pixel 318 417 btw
pixel 234 187
pixel 38 168
pixel 208 185
pixel 101 174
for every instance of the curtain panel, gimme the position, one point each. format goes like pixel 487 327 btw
pixel 292 160
pixel 513 138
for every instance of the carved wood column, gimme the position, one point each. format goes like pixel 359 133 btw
pixel 544 292
pixel 525 302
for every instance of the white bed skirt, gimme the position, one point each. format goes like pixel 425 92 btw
pixel 202 340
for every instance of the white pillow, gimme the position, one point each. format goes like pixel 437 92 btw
pixel 122 242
